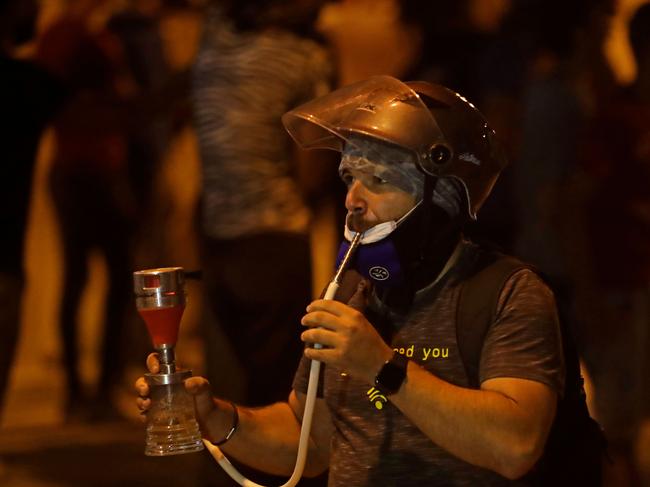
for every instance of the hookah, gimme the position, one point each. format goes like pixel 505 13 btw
pixel 172 428
pixel 310 401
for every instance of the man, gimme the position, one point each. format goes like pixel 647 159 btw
pixel 396 404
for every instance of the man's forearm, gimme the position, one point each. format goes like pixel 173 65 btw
pixel 483 427
pixel 266 439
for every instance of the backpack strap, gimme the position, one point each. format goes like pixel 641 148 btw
pixel 576 445
pixel 477 304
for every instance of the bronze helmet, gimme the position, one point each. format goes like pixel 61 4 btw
pixel 447 134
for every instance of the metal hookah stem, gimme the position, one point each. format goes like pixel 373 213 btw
pixel 167 358
pixel 334 284
pixel 348 256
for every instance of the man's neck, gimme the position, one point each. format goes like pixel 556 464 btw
pixel 453 258
pixel 400 299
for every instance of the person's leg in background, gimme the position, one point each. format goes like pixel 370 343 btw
pixel 11 289
pixel 258 287
pixel 69 197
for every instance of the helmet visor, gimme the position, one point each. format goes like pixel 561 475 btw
pixel 380 107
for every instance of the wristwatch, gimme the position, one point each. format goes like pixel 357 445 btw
pixel 392 374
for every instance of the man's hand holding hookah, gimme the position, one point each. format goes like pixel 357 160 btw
pixel 266 438
pixel 214 416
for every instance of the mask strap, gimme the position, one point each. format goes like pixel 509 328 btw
pixel 401 219
pixel 371 236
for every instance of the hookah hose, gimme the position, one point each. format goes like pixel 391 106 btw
pixel 310 401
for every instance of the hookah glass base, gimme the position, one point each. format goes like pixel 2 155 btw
pixel 173 439
pixel 172 428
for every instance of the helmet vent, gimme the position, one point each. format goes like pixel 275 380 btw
pixel 439 154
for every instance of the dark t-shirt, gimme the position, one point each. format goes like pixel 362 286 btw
pixel 375 444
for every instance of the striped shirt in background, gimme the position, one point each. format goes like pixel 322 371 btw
pixel 242 84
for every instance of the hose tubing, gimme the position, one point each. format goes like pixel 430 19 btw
pixel 310 401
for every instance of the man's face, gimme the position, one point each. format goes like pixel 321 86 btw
pixel 371 200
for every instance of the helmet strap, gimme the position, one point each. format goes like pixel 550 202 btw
pixel 427 203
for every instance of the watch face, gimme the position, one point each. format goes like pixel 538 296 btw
pixel 392 374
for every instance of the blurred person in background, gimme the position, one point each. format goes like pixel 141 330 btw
pixel 29 97
pixel 566 76
pixel 370 37
pixel 91 190
pixel 257 60
pixel 158 107
pixel 612 264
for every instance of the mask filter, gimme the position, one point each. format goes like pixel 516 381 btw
pixel 376 258
pixel 377 261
